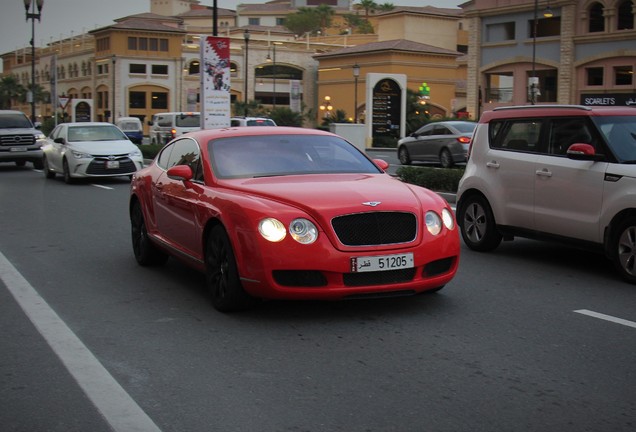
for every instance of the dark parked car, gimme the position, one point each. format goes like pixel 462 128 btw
pixel 444 142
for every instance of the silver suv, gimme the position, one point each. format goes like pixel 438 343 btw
pixel 20 141
pixel 566 173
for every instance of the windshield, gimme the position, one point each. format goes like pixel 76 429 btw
pixel 275 155
pixel 620 134
pixel 260 122
pixel 15 121
pixel 129 126
pixel 188 120
pixel 95 133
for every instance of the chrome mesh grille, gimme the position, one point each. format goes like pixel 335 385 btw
pixel 375 228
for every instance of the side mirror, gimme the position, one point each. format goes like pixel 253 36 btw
pixel 180 173
pixel 582 151
pixel 382 164
pixel 59 140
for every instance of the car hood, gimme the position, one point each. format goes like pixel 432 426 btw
pixel 104 148
pixel 327 196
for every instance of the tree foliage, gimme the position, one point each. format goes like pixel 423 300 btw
pixel 309 19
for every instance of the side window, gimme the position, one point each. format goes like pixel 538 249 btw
pixel 234 122
pixel 563 132
pixel 186 152
pixel 164 121
pixel 520 135
pixel 441 130
pixel 164 156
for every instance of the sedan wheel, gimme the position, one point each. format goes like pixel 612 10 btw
pixel 478 226
pixel 47 169
pixel 222 274
pixel 403 155
pixel 625 249
pixel 67 172
pixel 146 253
pixel 446 159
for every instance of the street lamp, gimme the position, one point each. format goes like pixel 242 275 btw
pixel 32 16
pixel 356 74
pixel 547 14
pixel 326 107
pixel 114 59
pixel 246 37
pixel 273 60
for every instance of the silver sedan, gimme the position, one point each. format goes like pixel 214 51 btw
pixel 445 142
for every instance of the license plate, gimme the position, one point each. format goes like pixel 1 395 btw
pixel 381 262
pixel 112 164
pixel 16 149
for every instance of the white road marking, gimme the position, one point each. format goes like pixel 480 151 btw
pixel 101 186
pixel 607 317
pixel 119 410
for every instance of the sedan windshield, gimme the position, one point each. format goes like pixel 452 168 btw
pixel 275 155
pixel 94 133
pixel 620 134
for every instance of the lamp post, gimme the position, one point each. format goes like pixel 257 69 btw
pixel 246 37
pixel 114 60
pixel 273 60
pixel 533 84
pixel 356 74
pixel 33 16
pixel 326 107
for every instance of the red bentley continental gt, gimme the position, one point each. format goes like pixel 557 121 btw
pixel 289 213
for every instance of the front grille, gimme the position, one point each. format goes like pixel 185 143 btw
pixel 98 167
pixel 379 277
pixel 17 139
pixel 299 278
pixel 375 228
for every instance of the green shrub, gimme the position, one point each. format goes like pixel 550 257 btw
pixel 150 150
pixel 437 179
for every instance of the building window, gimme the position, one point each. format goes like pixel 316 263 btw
pixel 547 91
pixel 159 100
pixel 233 69
pixel 546 27
pixel 137 99
pixel 500 86
pixel 254 21
pixel 143 44
pixel 132 43
pixel 154 46
pixel 280 21
pixel 597 20
pixel 500 32
pixel 623 75
pixel 625 16
pixel 193 68
pixel 163 45
pixel 137 68
pixel 102 44
pixel 594 76
pixel 160 69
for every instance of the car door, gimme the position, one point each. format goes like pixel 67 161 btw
pixel 569 193
pixel 55 155
pixel 436 141
pixel 176 201
pixel 417 146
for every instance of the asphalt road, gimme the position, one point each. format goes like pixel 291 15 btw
pixel 93 342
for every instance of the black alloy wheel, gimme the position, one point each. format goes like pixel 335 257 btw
pixel 477 223
pixel 624 247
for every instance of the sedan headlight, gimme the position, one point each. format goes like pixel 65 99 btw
pixel 448 219
pixel 135 153
pixel 272 229
pixel 433 222
pixel 303 231
pixel 80 155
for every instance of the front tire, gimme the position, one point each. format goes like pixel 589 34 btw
pixel 624 249
pixel 477 223
pixel 221 274
pixel 403 156
pixel 67 172
pixel 48 173
pixel 146 253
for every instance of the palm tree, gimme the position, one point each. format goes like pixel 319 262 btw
pixel 369 7
pixel 10 90
pixel 324 14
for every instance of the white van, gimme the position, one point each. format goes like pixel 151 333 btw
pixel 132 128
pixel 169 125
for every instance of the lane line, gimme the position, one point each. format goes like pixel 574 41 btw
pixel 101 186
pixel 119 410
pixel 606 317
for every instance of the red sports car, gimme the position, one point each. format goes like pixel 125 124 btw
pixel 289 213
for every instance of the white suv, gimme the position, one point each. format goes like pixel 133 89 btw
pixel 566 173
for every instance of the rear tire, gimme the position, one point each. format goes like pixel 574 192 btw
pixel 446 158
pixel 624 249
pixel 221 274
pixel 477 224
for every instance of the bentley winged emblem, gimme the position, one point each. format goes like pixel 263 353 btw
pixel 372 203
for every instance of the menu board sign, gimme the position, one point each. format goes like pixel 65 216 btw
pixel 387 102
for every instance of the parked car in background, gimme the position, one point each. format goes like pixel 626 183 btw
pixel 169 125
pixel 445 142
pixel 565 173
pixel 80 150
pixel 252 121
pixel 282 212
pixel 20 141
pixel 132 127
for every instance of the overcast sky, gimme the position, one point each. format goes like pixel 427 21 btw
pixel 61 18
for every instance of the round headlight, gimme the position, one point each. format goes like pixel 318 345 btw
pixel 433 222
pixel 303 231
pixel 448 219
pixel 272 229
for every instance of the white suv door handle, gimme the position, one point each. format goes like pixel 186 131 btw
pixel 492 164
pixel 544 172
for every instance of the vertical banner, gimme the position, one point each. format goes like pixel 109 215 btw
pixel 294 95
pixel 53 82
pixel 215 82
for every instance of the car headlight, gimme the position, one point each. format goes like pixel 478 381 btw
pixel 272 229
pixel 303 231
pixel 433 222
pixel 448 219
pixel 40 136
pixel 80 155
pixel 135 153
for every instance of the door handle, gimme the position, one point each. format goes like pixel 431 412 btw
pixel 492 164
pixel 543 172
